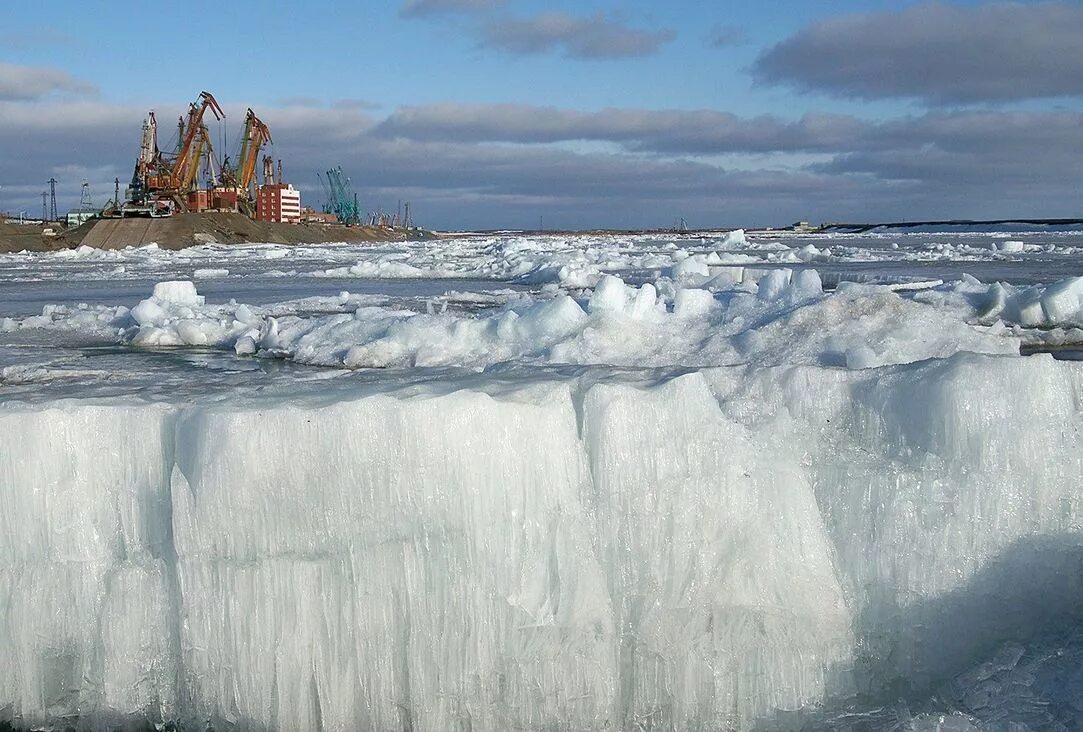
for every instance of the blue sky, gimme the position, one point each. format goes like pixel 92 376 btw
pixel 371 52
pixel 488 113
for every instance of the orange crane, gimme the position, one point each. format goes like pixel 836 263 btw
pixel 256 135
pixel 185 165
pixel 162 176
pixel 174 177
pixel 201 147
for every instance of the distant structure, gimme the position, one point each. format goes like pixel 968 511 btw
pixel 310 215
pixel 277 202
pixel 86 210
pixel 52 199
pixel 341 201
pixel 191 179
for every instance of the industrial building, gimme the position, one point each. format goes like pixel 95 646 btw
pixel 278 203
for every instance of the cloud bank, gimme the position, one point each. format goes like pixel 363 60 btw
pixel 34 82
pixel 416 8
pixel 596 36
pixel 939 53
pixel 483 166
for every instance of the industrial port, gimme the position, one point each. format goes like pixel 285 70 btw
pixel 193 191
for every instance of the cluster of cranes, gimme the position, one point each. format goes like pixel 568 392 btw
pixel 165 182
pixel 170 181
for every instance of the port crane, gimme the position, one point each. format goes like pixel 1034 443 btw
pixel 256 134
pixel 164 182
pixel 341 201
pixel 171 177
pixel 194 137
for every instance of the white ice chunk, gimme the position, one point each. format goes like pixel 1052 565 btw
pixel 691 303
pixel 210 273
pixel 1063 302
pixel 610 294
pixel 691 266
pixel 772 285
pixel 734 240
pixel 177 292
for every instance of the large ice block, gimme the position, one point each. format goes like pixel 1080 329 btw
pixel 87 622
pixel 729 548
pixel 391 562
pixel 717 562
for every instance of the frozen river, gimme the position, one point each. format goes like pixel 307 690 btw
pixel 465 287
pixel 497 481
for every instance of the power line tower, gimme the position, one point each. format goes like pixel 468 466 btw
pixel 52 200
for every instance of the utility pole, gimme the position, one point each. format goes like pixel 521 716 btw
pixel 52 200
pixel 116 192
pixel 44 210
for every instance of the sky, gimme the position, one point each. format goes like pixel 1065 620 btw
pixel 513 113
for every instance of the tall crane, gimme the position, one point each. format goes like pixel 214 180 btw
pixel 168 181
pixel 269 170
pixel 185 164
pixel 172 176
pixel 342 201
pixel 255 136
pixel 201 147
pixel 148 147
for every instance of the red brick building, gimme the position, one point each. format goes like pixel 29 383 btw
pixel 278 203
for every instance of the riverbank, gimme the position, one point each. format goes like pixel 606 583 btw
pixel 185 230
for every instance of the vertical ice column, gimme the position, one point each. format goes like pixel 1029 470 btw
pixel 726 600
pixel 950 490
pixel 966 529
pixel 391 561
pixel 86 623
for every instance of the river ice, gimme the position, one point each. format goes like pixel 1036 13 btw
pixel 509 482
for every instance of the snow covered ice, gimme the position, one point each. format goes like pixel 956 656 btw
pixel 685 496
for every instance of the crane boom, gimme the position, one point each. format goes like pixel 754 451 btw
pixel 256 135
pixel 185 163
pixel 202 145
pixel 148 148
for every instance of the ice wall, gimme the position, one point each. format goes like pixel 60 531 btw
pixel 87 621
pixel 716 559
pixel 951 493
pixel 720 549
pixel 422 562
